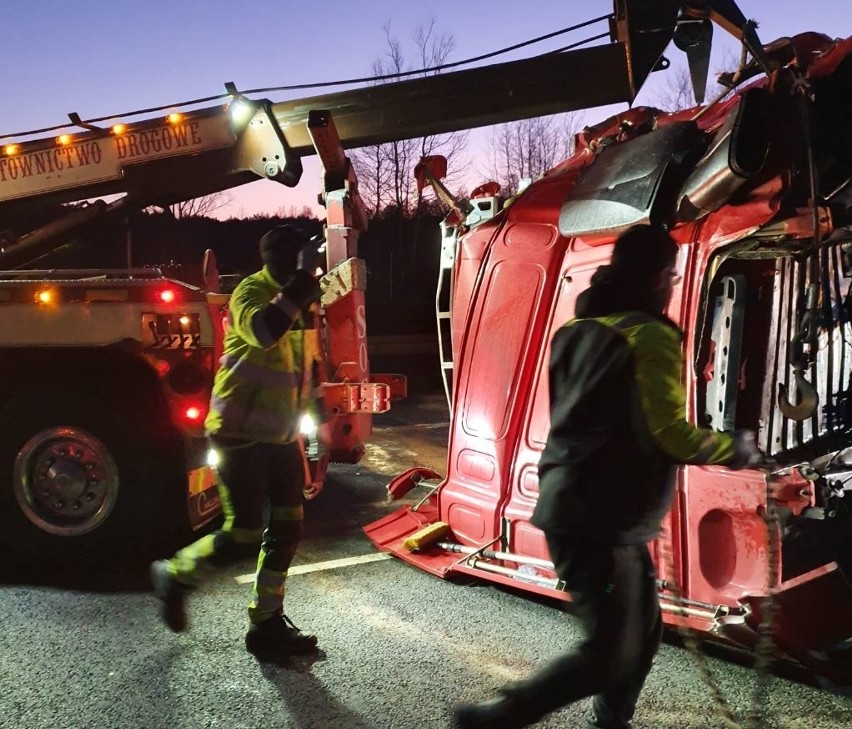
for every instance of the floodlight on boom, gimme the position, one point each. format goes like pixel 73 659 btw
pixel 241 109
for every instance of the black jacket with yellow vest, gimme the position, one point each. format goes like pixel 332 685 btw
pixel 618 421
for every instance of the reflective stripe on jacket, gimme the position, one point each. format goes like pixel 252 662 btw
pixel 618 423
pixel 262 387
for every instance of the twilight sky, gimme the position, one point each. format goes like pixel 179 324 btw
pixel 98 58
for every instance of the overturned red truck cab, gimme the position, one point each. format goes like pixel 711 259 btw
pixel 757 189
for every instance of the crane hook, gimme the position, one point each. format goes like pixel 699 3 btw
pixel 808 399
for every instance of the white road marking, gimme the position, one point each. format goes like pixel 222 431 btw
pixel 331 564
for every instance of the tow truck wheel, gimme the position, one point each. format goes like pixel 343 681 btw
pixel 65 481
pixel 82 479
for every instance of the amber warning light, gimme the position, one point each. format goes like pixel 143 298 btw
pixel 44 296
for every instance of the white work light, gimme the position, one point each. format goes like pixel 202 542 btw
pixel 307 426
pixel 212 458
pixel 240 111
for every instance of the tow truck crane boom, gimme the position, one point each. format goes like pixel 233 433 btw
pixel 226 156
pixel 160 162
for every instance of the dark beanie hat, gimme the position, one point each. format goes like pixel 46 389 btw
pixel 643 250
pixel 280 246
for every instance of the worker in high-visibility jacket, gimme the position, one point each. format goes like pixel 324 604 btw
pixel 265 383
pixel 617 427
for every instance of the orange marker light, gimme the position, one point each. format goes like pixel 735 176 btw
pixel 64 139
pixel 118 129
pixel 167 296
pixel 45 296
pixel 174 118
pixel 11 149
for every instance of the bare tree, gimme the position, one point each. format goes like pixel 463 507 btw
pixel 200 207
pixel 677 94
pixel 294 211
pixel 373 181
pixel 386 171
pixel 526 149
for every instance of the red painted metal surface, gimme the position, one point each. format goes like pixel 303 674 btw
pixel 516 280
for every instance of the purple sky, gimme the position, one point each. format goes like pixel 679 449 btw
pixel 97 58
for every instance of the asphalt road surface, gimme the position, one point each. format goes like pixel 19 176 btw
pixel 399 647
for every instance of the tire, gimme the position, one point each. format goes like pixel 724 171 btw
pixel 80 479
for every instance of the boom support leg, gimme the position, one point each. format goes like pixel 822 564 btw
pixel 350 394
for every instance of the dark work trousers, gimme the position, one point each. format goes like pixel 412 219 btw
pixel 250 475
pixel 614 596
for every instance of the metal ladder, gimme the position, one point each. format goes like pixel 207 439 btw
pixel 444 305
pixel 483 208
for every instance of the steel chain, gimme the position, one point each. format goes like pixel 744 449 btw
pixel 764 648
pixel 692 643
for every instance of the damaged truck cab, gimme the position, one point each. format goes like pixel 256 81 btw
pixel 757 190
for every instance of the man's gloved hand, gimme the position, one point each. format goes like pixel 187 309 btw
pixel 309 256
pixel 746 452
pixel 313 489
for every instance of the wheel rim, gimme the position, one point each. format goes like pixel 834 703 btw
pixel 66 481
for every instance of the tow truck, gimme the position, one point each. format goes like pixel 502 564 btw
pixel 755 187
pixel 107 373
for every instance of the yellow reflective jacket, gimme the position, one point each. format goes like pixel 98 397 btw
pixel 617 425
pixel 260 392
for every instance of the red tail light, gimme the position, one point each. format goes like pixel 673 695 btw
pixel 167 296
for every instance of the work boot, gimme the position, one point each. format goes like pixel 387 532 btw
pixel 605 715
pixel 598 724
pixel 504 712
pixel 172 596
pixel 277 638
